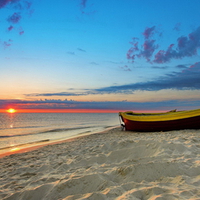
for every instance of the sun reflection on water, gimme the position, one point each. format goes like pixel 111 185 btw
pixel 15 149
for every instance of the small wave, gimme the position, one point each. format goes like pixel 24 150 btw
pixel 45 131
pixel 84 132
pixel 64 129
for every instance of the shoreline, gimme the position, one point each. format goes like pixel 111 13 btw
pixel 113 164
pixel 36 145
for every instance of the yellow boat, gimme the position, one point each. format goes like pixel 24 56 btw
pixel 172 120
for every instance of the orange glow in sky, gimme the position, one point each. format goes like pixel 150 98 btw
pixel 11 110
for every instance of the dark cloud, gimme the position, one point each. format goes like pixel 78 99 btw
pixel 7 44
pixel 57 94
pixel 23 5
pixel 101 105
pixel 14 18
pixel 181 66
pixel 10 28
pixel 21 32
pixel 17 7
pixel 83 3
pixel 147 49
pixel 82 50
pixel 187 46
pixel 3 3
pixel 16 4
pixel 131 52
pixel 187 79
pixel 149 32
pixel 38 104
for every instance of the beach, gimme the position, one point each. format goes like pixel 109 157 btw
pixel 113 164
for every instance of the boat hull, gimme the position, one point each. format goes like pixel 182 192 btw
pixel 149 126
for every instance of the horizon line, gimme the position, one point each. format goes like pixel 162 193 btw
pixel 75 111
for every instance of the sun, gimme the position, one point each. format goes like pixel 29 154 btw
pixel 11 110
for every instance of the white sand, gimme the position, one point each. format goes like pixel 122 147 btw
pixel 111 165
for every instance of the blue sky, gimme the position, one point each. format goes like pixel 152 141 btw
pixel 89 54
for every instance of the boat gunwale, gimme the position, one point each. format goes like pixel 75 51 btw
pixel 165 116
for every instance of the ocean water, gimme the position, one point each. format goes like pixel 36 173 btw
pixel 25 129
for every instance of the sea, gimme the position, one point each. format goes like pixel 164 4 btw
pixel 22 130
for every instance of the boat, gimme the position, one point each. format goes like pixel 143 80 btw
pixel 163 121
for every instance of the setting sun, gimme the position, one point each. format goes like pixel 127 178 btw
pixel 11 110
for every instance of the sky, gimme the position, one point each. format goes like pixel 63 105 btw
pixel 108 55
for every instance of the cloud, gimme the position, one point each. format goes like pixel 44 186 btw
pixel 114 62
pixel 94 63
pixel 70 53
pixel 10 28
pixel 83 3
pixel 14 18
pixel 149 32
pixel 177 27
pixel 7 44
pixel 57 94
pixel 17 7
pixel 83 6
pixel 187 46
pixel 16 4
pixel 100 105
pixel 147 49
pixel 186 79
pixel 21 32
pixel 125 68
pixel 82 50
pixel 85 9
pixel 131 52
pixel 159 67
pixel 3 3
pixel 181 66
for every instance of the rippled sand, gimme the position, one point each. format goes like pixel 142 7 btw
pixel 111 165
